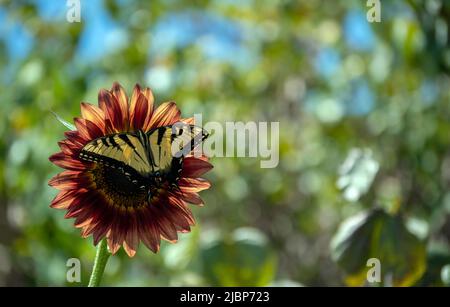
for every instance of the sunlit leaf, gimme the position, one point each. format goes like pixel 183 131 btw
pixel 356 174
pixel 376 234
pixel 64 122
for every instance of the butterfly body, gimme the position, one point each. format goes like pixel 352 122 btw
pixel 138 161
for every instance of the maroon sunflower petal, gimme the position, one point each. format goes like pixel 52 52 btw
pixel 87 227
pixel 62 160
pixel 65 198
pixel 192 198
pixel 195 167
pixel 69 180
pixel 121 97
pixel 178 203
pixel 94 114
pixel 131 242
pixel 87 129
pixel 87 203
pixel 100 232
pixel 139 112
pixel 193 184
pixel 119 228
pixel 179 218
pixel 67 147
pixel 113 245
pixel 151 108
pixel 190 120
pixel 113 112
pixel 166 114
pixel 80 209
pixel 164 224
pixel 76 138
pixel 148 230
pixel 102 219
pixel 151 238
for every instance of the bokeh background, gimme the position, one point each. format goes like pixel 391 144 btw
pixel 364 143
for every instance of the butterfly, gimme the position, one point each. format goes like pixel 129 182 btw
pixel 145 159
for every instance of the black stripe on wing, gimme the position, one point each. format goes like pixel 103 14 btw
pixel 126 139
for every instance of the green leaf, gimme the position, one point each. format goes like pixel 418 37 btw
pixel 357 173
pixel 65 123
pixel 376 234
pixel 241 259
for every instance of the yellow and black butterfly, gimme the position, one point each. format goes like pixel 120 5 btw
pixel 146 158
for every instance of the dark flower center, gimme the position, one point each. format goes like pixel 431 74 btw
pixel 121 187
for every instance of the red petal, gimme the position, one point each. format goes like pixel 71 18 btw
pixel 102 218
pixel 139 112
pixel 69 180
pixel 147 229
pixel 147 92
pixel 88 227
pixel 109 104
pixel 178 203
pixel 151 108
pixel 76 138
pixel 165 226
pixel 87 129
pixel 193 184
pixel 190 120
pixel 113 246
pixel 121 97
pixel 67 148
pixel 83 220
pixel 86 210
pixel 134 96
pixel 166 114
pixel 119 227
pixel 195 167
pixel 82 208
pixel 94 114
pixel 151 239
pixel 65 198
pixel 131 243
pixel 192 198
pixel 179 219
pixel 100 232
pixel 109 128
pixel 62 160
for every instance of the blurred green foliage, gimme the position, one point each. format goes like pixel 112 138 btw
pixel 337 84
pixel 377 235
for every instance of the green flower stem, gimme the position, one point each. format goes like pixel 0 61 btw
pixel 99 264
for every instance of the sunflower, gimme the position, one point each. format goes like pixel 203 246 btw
pixel 99 198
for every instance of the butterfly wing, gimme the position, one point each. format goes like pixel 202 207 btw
pixel 169 144
pixel 120 149
pixel 159 153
